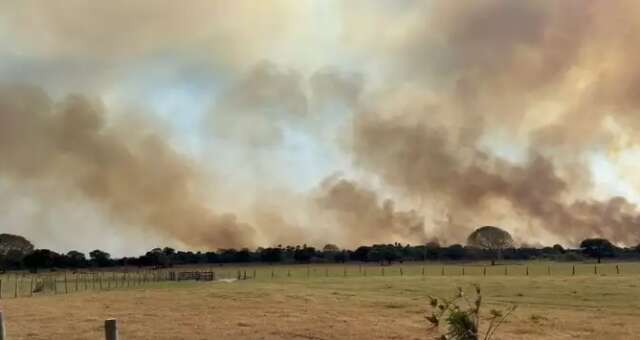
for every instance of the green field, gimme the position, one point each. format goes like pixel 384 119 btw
pixel 22 284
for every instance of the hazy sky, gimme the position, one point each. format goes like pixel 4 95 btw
pixel 126 125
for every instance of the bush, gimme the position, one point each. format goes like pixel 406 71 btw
pixel 463 317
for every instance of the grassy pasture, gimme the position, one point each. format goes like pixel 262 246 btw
pixel 292 305
pixel 83 280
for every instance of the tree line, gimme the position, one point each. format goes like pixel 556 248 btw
pixel 484 244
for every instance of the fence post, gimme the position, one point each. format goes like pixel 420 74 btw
pixel 401 273
pixel 462 270
pixel 326 272
pixel 595 269
pixel 382 271
pixel 506 270
pixel 344 270
pixel 617 270
pixel 0 288
pixel 111 329
pixel 549 270
pixel 442 271
pixel 16 290
pixel 3 333
pixel 573 271
pixel 66 288
pixel 422 270
pixel 484 271
pixel 31 287
pixel 527 270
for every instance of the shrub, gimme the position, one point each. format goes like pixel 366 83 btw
pixel 463 317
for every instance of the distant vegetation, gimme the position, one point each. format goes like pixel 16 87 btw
pixel 484 244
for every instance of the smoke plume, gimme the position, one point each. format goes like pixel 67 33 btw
pixel 442 115
pixel 551 76
pixel 133 174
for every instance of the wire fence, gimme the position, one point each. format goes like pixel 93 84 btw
pixel 22 284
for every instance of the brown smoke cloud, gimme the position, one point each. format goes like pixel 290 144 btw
pixel 130 172
pixel 433 83
pixel 233 33
pixel 553 76
pixel 363 217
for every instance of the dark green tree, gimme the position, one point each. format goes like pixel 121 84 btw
pixel 493 239
pixel 598 248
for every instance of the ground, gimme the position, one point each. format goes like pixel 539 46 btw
pixel 334 307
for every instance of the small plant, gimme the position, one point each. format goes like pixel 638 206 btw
pixel 463 317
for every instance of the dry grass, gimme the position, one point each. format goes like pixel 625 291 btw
pixel 329 308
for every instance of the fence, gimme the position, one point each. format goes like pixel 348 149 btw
pixel 431 270
pixel 15 285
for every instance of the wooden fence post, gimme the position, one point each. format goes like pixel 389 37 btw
pixel 442 271
pixel 595 269
pixel 345 271
pixel 401 273
pixel 422 270
pixel 66 288
pixel 16 290
pixel 549 270
pixel 506 270
pixel 573 270
pixel 31 287
pixel 462 270
pixel 527 270
pixel 111 329
pixel 0 288
pixel 326 272
pixel 382 271
pixel 484 271
pixel 617 269
pixel 3 333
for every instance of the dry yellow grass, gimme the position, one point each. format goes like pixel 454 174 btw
pixel 329 308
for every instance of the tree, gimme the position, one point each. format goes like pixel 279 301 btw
pixel 9 242
pixel 41 258
pixel 76 259
pixel 330 248
pixel 304 254
pixel 383 252
pixel 598 248
pixel 432 249
pixel 493 239
pixel 361 254
pixel 100 258
pixel 271 255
